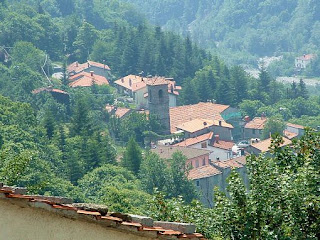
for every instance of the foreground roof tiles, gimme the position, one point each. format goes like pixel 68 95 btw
pixel 256 123
pixel 108 221
pixel 207 110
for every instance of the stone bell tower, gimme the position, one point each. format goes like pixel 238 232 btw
pixel 158 101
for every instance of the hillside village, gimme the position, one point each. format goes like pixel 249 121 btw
pixel 114 127
pixel 214 138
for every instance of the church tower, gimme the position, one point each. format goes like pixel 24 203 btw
pixel 158 101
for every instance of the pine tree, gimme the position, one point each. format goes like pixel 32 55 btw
pixel 303 92
pixel 189 93
pixel 49 123
pixel 264 80
pixel 132 156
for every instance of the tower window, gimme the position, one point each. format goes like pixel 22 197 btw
pixel 149 94
pixel 160 95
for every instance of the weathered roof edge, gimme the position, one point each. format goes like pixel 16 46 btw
pixel 133 224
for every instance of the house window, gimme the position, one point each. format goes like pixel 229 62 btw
pixel 198 183
pixel 197 163
pixel 203 162
pixel 253 131
pixel 204 145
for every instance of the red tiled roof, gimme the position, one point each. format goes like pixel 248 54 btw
pixel 157 81
pixel 203 172
pixel 48 89
pixel 307 57
pixel 199 124
pixel 231 163
pixel 295 126
pixel 202 110
pixel 192 141
pixel 256 123
pixel 109 221
pixel 85 79
pixel 135 83
pixel 119 112
pixel 264 145
pixel 290 135
pixel 166 152
pixel 242 160
pixel 99 65
pixel 227 145
pixel 79 67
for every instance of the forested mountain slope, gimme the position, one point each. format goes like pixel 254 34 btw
pixel 248 27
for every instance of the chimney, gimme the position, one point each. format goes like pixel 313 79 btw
pixel 130 82
pixel 216 138
pixel 91 73
pixel 122 80
pixel 88 64
pixel 77 64
pixel 220 122
pixel 104 64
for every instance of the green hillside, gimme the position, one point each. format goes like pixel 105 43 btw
pixel 241 29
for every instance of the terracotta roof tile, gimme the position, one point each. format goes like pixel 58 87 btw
pixel 183 114
pixel 264 145
pixel 203 172
pixel 295 126
pixel 290 135
pixel 8 192
pixel 226 145
pixel 85 79
pixel 242 160
pixel 48 89
pixel 99 65
pixel 200 124
pixel 192 141
pixel 166 152
pixel 307 57
pixel 135 83
pixel 231 163
pixel 256 123
pixel 76 67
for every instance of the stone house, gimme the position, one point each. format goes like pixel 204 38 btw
pixel 219 149
pixel 54 218
pixel 207 177
pixel 295 129
pixel 264 146
pixel 303 61
pixel 254 128
pixel 85 79
pixel 100 69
